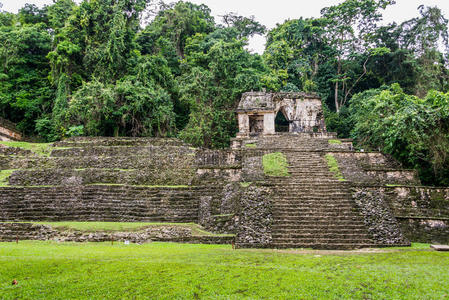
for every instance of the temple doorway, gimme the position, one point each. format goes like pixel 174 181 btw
pixel 256 124
pixel 281 124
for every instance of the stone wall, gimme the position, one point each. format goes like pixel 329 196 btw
pixel 422 212
pixel 101 203
pixel 119 141
pixel 14 151
pixel 255 217
pixel 120 151
pixel 45 177
pixel 10 232
pixel 426 230
pixel 378 217
pixel 218 213
pixel 217 166
pixel 8 131
pixel 373 168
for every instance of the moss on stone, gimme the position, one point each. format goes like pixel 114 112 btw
pixel 275 164
pixel 196 229
pixel 251 145
pixel 245 184
pixel 41 149
pixel 335 142
pixel 333 167
pixel 147 186
pixel 4 176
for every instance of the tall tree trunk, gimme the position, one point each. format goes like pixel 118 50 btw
pixel 337 104
pixel 337 108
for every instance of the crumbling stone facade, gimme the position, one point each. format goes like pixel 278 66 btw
pixel 257 112
pixel 8 131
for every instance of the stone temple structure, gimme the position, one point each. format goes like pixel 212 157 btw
pixel 257 112
pixel 330 197
pixel 8 131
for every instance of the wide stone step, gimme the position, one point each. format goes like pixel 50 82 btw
pixel 325 246
pixel 298 206
pixel 317 219
pixel 315 231
pixel 302 236
pixel 330 197
pixel 304 181
pixel 293 204
pixel 337 240
pixel 314 211
pixel 316 195
pixel 124 141
pixel 298 184
pixel 315 214
pixel 314 222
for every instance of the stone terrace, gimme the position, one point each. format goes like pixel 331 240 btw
pixel 226 191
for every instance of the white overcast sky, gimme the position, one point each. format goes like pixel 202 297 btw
pixel 272 12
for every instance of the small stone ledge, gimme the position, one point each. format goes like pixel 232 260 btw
pixel 212 167
pixel 153 233
pixel 423 218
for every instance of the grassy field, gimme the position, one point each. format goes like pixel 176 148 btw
pixel 48 270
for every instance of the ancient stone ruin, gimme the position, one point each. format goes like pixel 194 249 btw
pixel 8 131
pixel 333 197
pixel 257 112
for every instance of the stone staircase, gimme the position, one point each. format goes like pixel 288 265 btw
pixel 313 209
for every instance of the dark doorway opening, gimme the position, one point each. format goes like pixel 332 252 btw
pixel 281 124
pixel 256 124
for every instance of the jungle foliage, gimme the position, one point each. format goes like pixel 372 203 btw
pixel 136 68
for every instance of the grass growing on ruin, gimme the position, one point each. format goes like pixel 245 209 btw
pixel 333 166
pixel 42 149
pixel 50 270
pixel 275 164
pixel 250 145
pixel 122 226
pixel 147 186
pixel 4 177
pixel 335 142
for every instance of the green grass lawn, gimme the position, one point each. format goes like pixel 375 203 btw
pixel 48 270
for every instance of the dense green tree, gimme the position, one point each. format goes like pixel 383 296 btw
pixel 246 27
pixel 298 48
pixel 175 23
pixel 413 130
pixel 216 71
pixel 25 92
pixel 31 14
pixel 415 60
pixel 349 27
